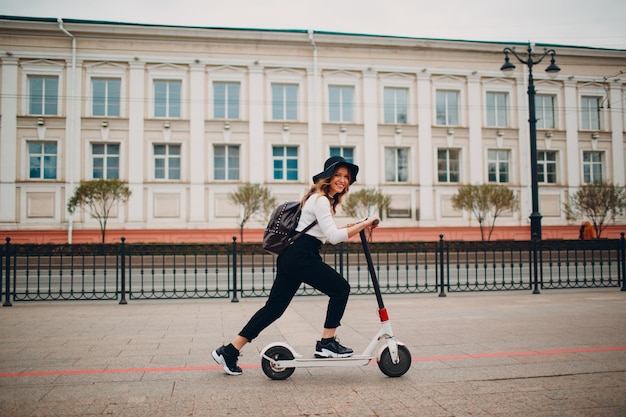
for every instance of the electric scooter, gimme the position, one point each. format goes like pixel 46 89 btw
pixel 279 360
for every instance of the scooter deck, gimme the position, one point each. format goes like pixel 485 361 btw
pixel 311 361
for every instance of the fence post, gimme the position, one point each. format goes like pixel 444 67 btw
pixel 7 253
pixel 123 270
pixel 535 264
pixel 623 261
pixel 234 299
pixel 442 291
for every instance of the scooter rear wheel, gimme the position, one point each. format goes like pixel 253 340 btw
pixel 271 370
pixel 391 369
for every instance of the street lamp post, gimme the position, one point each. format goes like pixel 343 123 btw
pixel 508 67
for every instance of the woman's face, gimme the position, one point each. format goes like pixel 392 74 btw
pixel 339 180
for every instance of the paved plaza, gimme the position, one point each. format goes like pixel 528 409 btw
pixel 558 353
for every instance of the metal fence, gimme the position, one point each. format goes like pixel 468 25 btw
pixel 125 271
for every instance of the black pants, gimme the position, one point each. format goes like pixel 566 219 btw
pixel 301 263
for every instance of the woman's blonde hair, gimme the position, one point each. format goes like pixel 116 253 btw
pixel 322 188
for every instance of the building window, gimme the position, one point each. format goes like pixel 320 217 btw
pixel 341 103
pixel 42 160
pixel 496 110
pixel 448 165
pixel 106 96
pixel 590 108
pixel 346 153
pixel 167 98
pixel 106 160
pixel 285 160
pixel 592 167
pixel 284 102
pixel 226 162
pixel 396 105
pixel 396 164
pixel 546 167
pixel 43 95
pixel 498 166
pixel 167 162
pixel 226 100
pixel 544 107
pixel 447 108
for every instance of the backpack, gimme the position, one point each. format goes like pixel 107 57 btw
pixel 281 229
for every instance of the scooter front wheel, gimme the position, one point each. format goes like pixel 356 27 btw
pixel 391 369
pixel 272 371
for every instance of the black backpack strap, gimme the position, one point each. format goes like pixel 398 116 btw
pixel 306 229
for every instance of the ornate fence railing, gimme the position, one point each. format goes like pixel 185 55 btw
pixel 123 271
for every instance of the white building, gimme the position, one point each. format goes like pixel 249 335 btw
pixel 185 115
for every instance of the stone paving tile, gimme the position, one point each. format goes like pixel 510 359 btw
pixel 446 337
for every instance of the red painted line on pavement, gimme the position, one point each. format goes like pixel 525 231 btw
pixel 527 353
pixel 217 367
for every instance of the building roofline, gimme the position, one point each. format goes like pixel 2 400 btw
pixel 293 31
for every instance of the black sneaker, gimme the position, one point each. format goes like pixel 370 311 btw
pixel 331 348
pixel 227 360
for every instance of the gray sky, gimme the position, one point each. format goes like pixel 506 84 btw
pixel 597 23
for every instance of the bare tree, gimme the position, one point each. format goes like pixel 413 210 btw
pixel 486 202
pixel 598 202
pixel 100 196
pixel 253 199
pixel 365 203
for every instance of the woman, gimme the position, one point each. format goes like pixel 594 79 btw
pixel 301 263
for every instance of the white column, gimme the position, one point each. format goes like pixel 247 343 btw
pixel 8 141
pixel 256 101
pixel 572 168
pixel 137 156
pixel 524 170
pixel 424 155
pixel 617 133
pixel 197 149
pixel 369 175
pixel 73 160
pixel 474 160
pixel 316 154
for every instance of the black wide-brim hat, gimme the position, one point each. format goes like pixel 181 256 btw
pixel 332 164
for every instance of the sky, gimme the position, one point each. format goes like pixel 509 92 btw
pixel 594 23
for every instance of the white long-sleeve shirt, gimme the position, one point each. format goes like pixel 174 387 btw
pixel 318 207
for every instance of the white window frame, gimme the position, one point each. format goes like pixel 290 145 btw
pixel 450 83
pixel 500 85
pixel 42 68
pixel 498 161
pixel 396 167
pixel 167 157
pixel 458 108
pixel 545 164
pixel 105 70
pixel 168 72
pixel 285 76
pixel 459 160
pixel 343 105
pixel 554 89
pixel 226 168
pixel 602 164
pixel 342 79
pixel 92 156
pixel 507 109
pixel 398 81
pixel 27 162
pixel 284 159
pixel 228 74
pixel 593 90
pixel 342 150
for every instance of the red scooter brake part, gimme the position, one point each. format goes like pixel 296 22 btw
pixel 382 313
